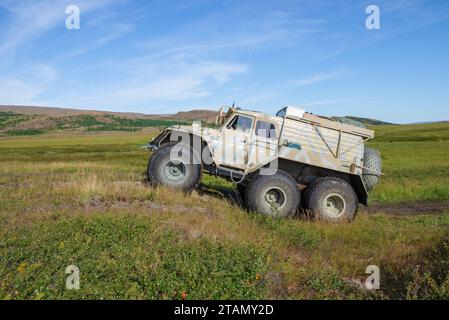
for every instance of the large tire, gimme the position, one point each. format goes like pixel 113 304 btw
pixel 331 199
pixel 177 173
pixel 372 163
pixel 274 195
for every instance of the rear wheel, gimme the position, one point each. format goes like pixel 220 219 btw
pixel 172 165
pixel 331 199
pixel 274 195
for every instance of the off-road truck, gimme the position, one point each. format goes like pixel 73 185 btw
pixel 279 163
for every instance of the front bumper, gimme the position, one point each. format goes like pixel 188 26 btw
pixel 152 146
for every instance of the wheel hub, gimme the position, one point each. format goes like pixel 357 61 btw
pixel 275 198
pixel 175 171
pixel 334 205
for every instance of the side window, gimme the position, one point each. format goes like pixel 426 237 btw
pixel 241 123
pixel 265 129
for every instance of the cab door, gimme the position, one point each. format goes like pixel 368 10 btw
pixel 232 149
pixel 264 144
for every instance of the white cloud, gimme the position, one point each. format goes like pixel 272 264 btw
pixel 30 19
pixel 321 77
pixel 17 92
pixel 246 27
pixel 146 80
pixel 327 102
pixel 176 87
pixel 118 31
pixel 167 82
pixel 27 83
pixel 25 88
pixel 220 72
pixel 247 41
pixel 316 78
pixel 260 98
pixel 179 66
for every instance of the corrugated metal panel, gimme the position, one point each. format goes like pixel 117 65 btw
pixel 300 128
pixel 310 140
pixel 315 138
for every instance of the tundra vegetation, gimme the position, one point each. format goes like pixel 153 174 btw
pixel 81 199
pixel 17 124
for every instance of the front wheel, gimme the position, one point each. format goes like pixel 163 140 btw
pixel 242 191
pixel 274 195
pixel 174 166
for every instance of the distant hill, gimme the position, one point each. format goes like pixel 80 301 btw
pixel 203 115
pixel 28 120
pixel 429 122
pixel 58 112
pixel 364 121
pixel 19 124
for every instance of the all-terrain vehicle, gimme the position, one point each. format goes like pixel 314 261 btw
pixel 279 163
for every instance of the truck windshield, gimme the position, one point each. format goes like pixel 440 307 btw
pixel 241 123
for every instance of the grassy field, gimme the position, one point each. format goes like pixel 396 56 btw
pixel 416 162
pixel 80 199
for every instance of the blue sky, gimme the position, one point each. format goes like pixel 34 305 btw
pixel 167 56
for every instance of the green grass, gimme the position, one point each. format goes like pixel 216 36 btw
pixel 413 171
pixel 25 132
pixel 415 132
pixel 81 199
pixel 124 256
pixel 110 123
pixel 415 162
pixel 141 123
